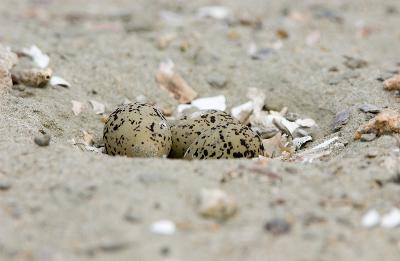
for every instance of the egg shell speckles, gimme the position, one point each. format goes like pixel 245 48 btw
pixel 186 129
pixel 137 130
pixel 226 142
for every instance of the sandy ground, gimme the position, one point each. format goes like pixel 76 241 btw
pixel 62 203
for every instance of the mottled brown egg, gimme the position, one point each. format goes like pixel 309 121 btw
pixel 137 130
pixel 226 142
pixel 186 129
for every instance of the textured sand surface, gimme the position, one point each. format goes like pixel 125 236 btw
pixel 62 203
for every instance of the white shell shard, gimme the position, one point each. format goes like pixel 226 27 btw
pixel 141 98
pixel 182 107
pixel 210 103
pixel 98 107
pixel 258 98
pixel 291 126
pixel 299 142
pixel 216 12
pixel 370 219
pixel 77 107
pixel 58 81
pixel 167 67
pixel 41 59
pixel 93 149
pixel 243 111
pixel 163 227
pixel 391 219
pixel 308 123
pixel 324 145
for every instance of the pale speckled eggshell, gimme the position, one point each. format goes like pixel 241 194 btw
pixel 137 130
pixel 226 142
pixel 186 129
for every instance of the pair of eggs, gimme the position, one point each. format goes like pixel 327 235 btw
pixel 141 130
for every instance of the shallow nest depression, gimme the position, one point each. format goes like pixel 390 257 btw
pixel 286 69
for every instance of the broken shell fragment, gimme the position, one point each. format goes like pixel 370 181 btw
pixel 172 82
pixel 243 111
pixel 41 59
pixel 32 77
pixel 299 142
pixel 386 122
pixel 77 107
pixel 308 123
pixel 207 103
pixel 215 12
pixel 98 107
pixel 58 81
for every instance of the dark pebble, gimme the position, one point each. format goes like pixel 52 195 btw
pixel 262 54
pixel 165 251
pixel 5 185
pixel 277 226
pixel 42 140
pixel 341 118
pixel 369 108
pixel 354 63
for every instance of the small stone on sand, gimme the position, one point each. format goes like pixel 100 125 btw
pixel 42 140
pixel 216 204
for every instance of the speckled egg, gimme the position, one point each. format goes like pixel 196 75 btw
pixel 186 129
pixel 137 130
pixel 226 142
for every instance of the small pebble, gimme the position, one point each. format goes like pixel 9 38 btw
pixel 372 154
pixel 341 118
pixel 261 54
pixel 216 204
pixel 369 108
pixel 42 140
pixel 277 226
pixel 217 80
pixel 165 251
pixel 368 137
pixel 354 63
pixel 131 217
pixel 5 185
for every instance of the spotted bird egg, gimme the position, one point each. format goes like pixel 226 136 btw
pixel 225 142
pixel 137 130
pixel 187 128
